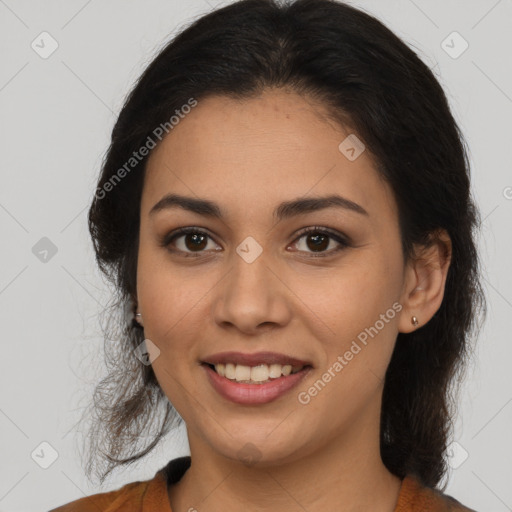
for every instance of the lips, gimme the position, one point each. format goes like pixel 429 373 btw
pixel 255 359
pixel 253 379
pixel 255 393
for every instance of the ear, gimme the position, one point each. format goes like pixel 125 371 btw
pixel 135 307
pixel 424 281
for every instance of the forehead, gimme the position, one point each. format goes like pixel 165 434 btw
pixel 260 151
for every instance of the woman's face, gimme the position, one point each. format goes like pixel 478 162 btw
pixel 250 281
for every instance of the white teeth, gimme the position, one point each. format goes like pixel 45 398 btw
pixel 242 372
pixel 287 369
pixel 275 371
pixel 230 371
pixel 259 374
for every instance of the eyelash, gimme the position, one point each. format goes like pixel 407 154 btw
pixel 342 241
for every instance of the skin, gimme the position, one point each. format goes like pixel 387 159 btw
pixel 248 156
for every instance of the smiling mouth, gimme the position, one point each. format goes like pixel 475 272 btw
pixel 259 374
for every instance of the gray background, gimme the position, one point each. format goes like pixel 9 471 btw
pixel 56 118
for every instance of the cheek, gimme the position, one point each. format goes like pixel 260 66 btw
pixel 170 300
pixel 172 312
pixel 351 297
pixel 353 313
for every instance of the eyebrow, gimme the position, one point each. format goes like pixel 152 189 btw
pixel 285 210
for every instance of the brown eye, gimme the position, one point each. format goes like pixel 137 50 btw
pixel 317 242
pixel 189 241
pixel 195 241
pixel 320 241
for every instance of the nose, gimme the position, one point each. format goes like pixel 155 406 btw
pixel 251 298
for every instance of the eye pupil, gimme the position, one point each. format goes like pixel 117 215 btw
pixel 198 241
pixel 318 242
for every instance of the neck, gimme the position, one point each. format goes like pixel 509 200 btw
pixel 346 474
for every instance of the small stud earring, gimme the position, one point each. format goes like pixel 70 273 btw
pixel 414 321
pixel 138 316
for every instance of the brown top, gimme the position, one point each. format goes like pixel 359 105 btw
pixel 151 495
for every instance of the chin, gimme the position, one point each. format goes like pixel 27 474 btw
pixel 262 448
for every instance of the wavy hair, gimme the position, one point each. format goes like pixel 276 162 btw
pixel 372 82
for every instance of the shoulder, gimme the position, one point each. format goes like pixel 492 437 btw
pixel 147 495
pixel 415 497
pixel 127 498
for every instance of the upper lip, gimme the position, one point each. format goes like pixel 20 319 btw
pixel 254 359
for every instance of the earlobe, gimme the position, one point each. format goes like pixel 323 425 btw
pixel 136 315
pixel 424 282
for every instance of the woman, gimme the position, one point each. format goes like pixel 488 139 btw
pixel 285 211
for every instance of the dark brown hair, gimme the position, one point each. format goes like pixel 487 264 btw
pixel 374 83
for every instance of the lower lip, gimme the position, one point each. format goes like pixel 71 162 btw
pixel 250 394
